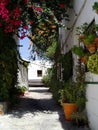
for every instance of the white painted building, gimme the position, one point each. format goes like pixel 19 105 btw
pixel 80 13
pixel 37 69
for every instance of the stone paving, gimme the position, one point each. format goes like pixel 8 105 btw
pixel 36 111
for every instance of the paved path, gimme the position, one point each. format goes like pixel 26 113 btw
pixel 36 111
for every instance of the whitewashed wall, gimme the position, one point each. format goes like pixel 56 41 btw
pixel 82 12
pixel 22 70
pixel 37 65
pixel 22 75
pixel 92 97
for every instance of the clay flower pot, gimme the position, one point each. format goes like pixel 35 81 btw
pixel 96 41
pixel 83 59
pixel 91 48
pixel 96 11
pixel 69 108
pixel 81 36
pixel 53 26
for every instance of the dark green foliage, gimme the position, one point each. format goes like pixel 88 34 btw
pixel 21 89
pixel 52 79
pixel 68 93
pixel 56 85
pixel 79 119
pixel 95 6
pixel 8 65
pixel 53 82
pixel 47 78
pixel 67 65
pixel 78 50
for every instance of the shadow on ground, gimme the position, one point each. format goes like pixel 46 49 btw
pixel 33 106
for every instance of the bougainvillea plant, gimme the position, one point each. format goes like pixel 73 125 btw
pixel 17 16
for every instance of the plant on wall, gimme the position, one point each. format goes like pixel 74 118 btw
pixel 78 50
pixel 92 63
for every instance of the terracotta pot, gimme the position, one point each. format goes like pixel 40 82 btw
pixel 82 36
pixel 96 41
pixel 3 107
pixel 69 108
pixel 21 94
pixel 53 26
pixel 83 59
pixel 91 47
pixel 96 11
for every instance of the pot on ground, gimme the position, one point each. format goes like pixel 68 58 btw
pixel 69 108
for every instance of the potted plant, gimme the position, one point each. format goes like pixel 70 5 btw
pixel 21 90
pixel 79 118
pixel 92 63
pixel 89 42
pixel 79 51
pixel 95 7
pixel 81 31
pixel 73 94
pixel 68 98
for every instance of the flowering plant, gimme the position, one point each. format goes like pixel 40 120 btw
pixel 17 16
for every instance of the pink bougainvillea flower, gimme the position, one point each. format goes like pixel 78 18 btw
pixel 26 1
pixel 62 6
pixel 31 22
pixel 15 23
pixel 0 24
pixel 5 2
pixel 8 29
pixel 39 9
pixel 25 27
pixel 5 14
pixel 17 12
pixel 5 17
pixel 23 35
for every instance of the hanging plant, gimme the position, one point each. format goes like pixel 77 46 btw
pixel 19 16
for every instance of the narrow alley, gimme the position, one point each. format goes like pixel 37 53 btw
pixel 36 111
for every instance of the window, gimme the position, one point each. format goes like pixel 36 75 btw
pixel 39 73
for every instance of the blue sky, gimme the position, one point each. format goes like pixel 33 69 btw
pixel 24 51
